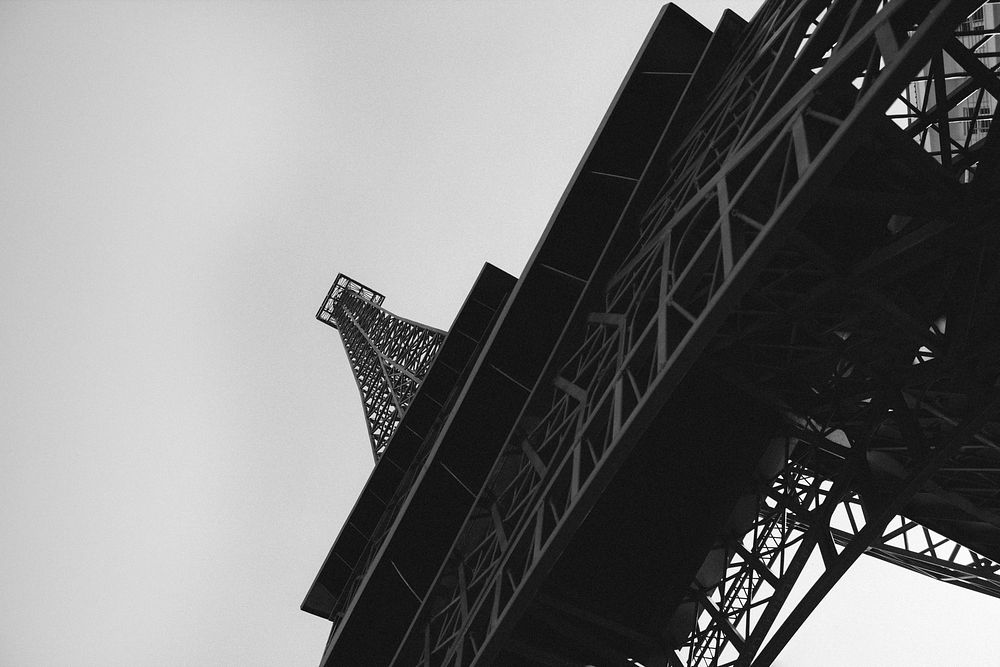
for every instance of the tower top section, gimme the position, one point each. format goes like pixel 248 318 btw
pixel 389 355
pixel 344 283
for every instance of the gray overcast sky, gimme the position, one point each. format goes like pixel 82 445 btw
pixel 179 184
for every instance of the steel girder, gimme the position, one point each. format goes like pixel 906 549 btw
pixel 389 355
pixel 883 407
pixel 738 594
pixel 886 369
pixel 886 373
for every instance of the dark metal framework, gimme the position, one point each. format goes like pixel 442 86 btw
pixel 389 355
pixel 878 349
pixel 807 233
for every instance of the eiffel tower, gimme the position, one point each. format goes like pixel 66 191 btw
pixel 389 355
pixel 760 326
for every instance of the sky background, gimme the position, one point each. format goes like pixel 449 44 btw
pixel 179 184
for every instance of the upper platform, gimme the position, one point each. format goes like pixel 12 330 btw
pixel 343 284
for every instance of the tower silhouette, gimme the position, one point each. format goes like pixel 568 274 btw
pixel 760 327
pixel 389 355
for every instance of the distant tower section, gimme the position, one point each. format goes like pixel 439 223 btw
pixel 389 355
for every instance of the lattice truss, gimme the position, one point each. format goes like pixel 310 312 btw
pixel 389 355
pixel 815 248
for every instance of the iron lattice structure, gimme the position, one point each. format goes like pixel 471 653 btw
pixel 389 355
pixel 782 345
